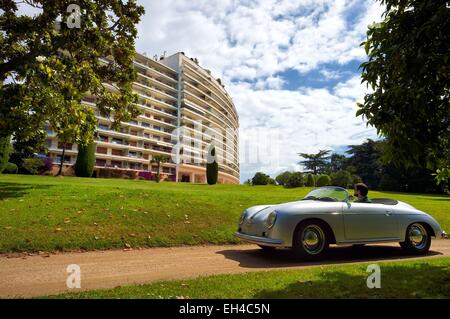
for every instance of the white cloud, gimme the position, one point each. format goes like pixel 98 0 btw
pixel 247 43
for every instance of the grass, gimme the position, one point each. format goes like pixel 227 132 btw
pixel 42 213
pixel 412 279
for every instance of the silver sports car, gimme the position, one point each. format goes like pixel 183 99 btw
pixel 328 216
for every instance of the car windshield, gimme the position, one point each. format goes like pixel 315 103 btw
pixel 329 194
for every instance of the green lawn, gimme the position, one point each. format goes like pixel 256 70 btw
pixel 408 279
pixel 49 213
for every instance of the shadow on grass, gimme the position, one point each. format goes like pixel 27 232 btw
pixel 15 190
pixel 397 281
pixel 281 258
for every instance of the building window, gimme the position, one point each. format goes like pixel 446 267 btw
pixel 100 162
pixel 102 150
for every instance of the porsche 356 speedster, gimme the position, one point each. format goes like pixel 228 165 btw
pixel 328 216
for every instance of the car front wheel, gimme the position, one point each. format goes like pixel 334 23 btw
pixel 310 240
pixel 418 240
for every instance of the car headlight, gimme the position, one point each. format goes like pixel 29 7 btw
pixel 271 218
pixel 243 216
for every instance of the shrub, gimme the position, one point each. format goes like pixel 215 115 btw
pixel 310 181
pixel 10 168
pixel 342 179
pixel 283 178
pixel 84 166
pixel 271 181
pixel 33 165
pixel 212 167
pixel 5 149
pixel 323 180
pixel 295 180
pixel 145 175
pixel 260 179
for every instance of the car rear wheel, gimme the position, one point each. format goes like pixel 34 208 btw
pixel 418 240
pixel 310 240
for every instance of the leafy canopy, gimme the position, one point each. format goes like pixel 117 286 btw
pixel 47 65
pixel 316 163
pixel 408 69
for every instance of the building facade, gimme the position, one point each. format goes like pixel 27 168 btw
pixel 184 111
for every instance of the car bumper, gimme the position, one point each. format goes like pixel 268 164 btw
pixel 443 235
pixel 259 240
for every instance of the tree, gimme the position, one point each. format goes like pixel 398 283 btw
pixel 315 163
pixel 84 166
pixel 366 160
pixel 159 159
pixel 48 63
pixel 282 178
pixel 337 162
pixel 212 167
pixel 27 145
pixel 323 180
pixel 408 69
pixel 295 180
pixel 260 179
pixel 342 179
pixel 310 181
pixel 5 149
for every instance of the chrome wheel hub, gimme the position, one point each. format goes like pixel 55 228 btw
pixel 313 239
pixel 417 236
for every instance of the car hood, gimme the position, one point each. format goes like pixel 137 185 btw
pixel 260 212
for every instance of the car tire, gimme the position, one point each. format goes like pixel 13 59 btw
pixel 311 240
pixel 267 248
pixel 417 239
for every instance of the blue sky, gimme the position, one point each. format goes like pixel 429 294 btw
pixel 291 67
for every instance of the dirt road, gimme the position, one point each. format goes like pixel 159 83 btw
pixel 40 275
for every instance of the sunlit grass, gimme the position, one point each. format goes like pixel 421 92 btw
pixel 50 213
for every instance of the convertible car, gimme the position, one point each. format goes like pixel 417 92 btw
pixel 327 216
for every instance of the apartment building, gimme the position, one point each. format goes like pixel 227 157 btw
pixel 184 110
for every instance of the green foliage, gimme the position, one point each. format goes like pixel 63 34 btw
pixel 323 180
pixel 52 65
pixel 10 168
pixel 33 165
pixel 84 166
pixel 212 167
pixel 260 179
pixel 295 180
pixel 342 179
pixel 408 69
pixel 282 178
pixel 310 180
pixel 366 161
pixel 271 181
pixel 316 163
pixel 338 162
pixel 5 149
pixel 26 145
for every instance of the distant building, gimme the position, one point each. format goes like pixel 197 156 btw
pixel 183 110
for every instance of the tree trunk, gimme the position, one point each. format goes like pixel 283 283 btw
pixel 62 160
pixel 158 172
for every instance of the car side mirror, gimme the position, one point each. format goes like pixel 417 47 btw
pixel 351 198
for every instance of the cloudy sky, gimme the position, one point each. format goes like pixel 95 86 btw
pixel 291 67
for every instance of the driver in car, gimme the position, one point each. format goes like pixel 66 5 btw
pixel 361 191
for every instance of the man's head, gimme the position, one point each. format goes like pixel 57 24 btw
pixel 361 190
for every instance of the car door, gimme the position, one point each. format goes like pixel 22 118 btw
pixel 369 221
